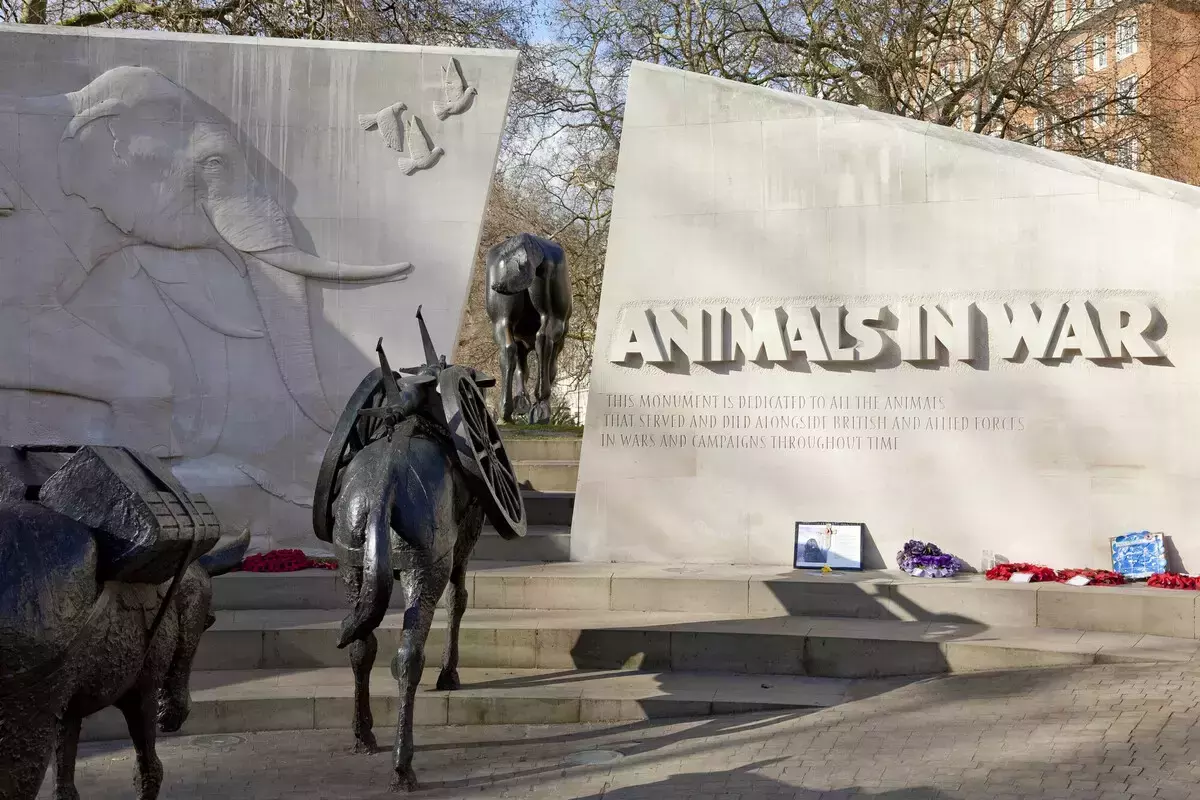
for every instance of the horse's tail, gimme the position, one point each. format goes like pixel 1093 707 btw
pixel 376 591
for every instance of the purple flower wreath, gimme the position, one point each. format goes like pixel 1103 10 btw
pixel 927 560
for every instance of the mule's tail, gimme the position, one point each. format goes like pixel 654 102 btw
pixel 376 589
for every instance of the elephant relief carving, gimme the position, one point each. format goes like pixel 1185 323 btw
pixel 161 209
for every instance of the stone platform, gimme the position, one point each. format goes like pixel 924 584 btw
pixel 234 701
pixel 741 592
pixel 570 643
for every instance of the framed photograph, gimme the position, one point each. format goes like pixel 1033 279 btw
pixel 1139 555
pixel 837 545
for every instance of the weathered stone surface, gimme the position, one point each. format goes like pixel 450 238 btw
pixel 799 220
pixel 215 299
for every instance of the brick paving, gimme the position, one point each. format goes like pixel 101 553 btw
pixel 1122 732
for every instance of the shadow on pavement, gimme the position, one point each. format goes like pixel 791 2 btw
pixel 744 782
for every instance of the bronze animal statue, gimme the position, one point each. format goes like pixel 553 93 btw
pixel 73 643
pixel 529 303
pixel 412 467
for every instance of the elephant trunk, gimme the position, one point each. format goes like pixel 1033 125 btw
pixel 283 300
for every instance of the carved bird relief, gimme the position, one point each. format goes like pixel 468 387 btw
pixel 7 207
pixel 458 94
pixel 388 122
pixel 420 156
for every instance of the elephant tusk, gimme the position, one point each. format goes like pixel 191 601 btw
pixel 310 266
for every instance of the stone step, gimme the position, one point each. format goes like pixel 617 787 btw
pixel 548 476
pixel 767 591
pixel 554 448
pixel 824 647
pixel 542 543
pixel 548 508
pixel 234 701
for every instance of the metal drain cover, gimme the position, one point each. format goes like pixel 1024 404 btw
pixel 217 742
pixel 593 757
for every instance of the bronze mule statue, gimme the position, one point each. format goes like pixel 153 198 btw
pixel 412 467
pixel 72 644
pixel 529 303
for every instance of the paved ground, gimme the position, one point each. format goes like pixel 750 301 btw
pixel 1099 733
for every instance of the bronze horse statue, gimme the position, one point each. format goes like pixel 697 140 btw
pixel 412 467
pixel 529 303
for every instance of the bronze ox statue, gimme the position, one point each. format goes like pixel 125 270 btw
pixel 75 639
pixel 412 467
pixel 529 303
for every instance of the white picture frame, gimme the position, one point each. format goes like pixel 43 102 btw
pixel 837 545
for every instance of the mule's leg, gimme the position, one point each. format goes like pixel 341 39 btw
pixel 25 754
pixel 362 659
pixel 456 606
pixel 549 344
pixel 140 707
pixel 66 751
pixel 422 588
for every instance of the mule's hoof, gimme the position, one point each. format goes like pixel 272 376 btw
pixel 521 405
pixel 448 681
pixel 405 781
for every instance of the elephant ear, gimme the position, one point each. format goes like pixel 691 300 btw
pixel 191 279
pixel 87 165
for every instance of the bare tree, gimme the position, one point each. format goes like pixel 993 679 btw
pixel 463 23
pixel 1074 75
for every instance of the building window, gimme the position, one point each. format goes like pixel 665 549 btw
pixel 1127 37
pixel 1079 115
pixel 1022 33
pixel 1100 48
pixel 1079 60
pixel 1039 131
pixel 1127 154
pixel 1060 13
pixel 1100 110
pixel 1061 78
pixel 1127 91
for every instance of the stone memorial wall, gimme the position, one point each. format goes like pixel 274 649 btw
pixel 202 238
pixel 818 313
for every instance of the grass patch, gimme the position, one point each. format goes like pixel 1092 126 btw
pixel 535 431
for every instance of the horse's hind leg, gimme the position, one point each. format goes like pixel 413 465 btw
pixel 362 659
pixel 422 588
